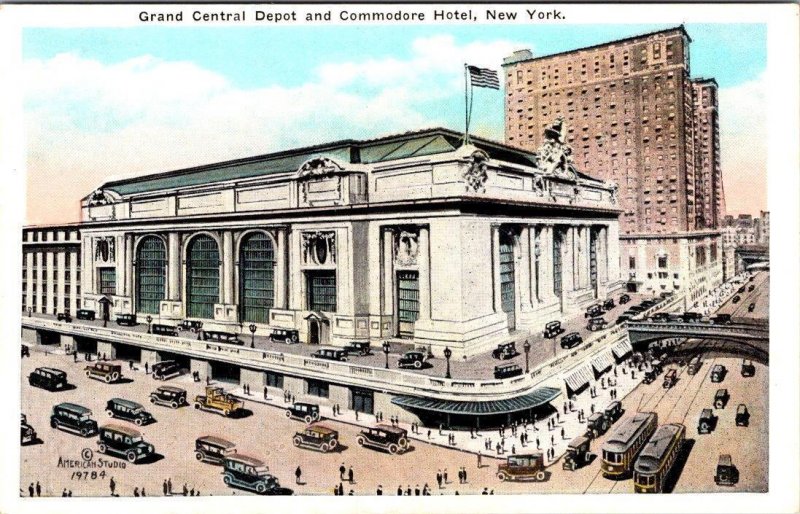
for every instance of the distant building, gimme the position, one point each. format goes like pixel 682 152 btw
pixel 763 229
pixel 51 269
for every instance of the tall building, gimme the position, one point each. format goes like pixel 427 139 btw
pixel 51 269
pixel 635 117
pixel 763 229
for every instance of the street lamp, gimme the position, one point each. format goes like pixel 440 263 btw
pixel 30 312
pixel 252 328
pixel 386 348
pixel 149 319
pixel 447 354
pixel 199 329
pixel 527 347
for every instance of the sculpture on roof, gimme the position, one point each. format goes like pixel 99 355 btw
pixel 476 173
pixel 555 155
pixel 99 197
pixel 318 166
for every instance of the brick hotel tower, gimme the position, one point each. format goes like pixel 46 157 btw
pixel 635 117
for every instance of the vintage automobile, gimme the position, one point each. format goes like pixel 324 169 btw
pixel 718 373
pixel 104 371
pixel 123 442
pixel 608 304
pixel 126 319
pixel 27 434
pixel 164 370
pixel 358 348
pixel 622 319
pixel 721 319
pixel 85 314
pixel 571 340
pixel 384 437
pixel 317 437
pixel 721 398
pixel 623 299
pixel 129 411
pixel 283 335
pixel 613 412
pixel 742 416
pixel 635 309
pixel 740 290
pixel 505 351
pixel 308 412
pixel 748 369
pixel 507 371
pixel 736 299
pixel 249 473
pixel 692 317
pixel 412 359
pixel 707 422
pixel 727 473
pixel 694 365
pixel 750 287
pixel 213 449
pixel 217 400
pixel 593 311
pixel 670 378
pixel 191 325
pixel 596 425
pixel 331 354
pixel 221 337
pixel 164 330
pixel 660 317
pixel 553 329
pixel 578 454
pixel 596 324
pixel 647 303
pixel 522 467
pixel 64 316
pixel 74 418
pixel 51 379
pixel 649 376
pixel 173 397
pixel 751 307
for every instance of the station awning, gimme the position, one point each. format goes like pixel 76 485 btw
pixel 520 403
pixel 602 362
pixel 622 349
pixel 578 378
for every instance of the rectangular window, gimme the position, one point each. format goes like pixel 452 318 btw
pixel 631 262
pixel 108 281
pixel 408 296
pixel 318 388
pixel 274 379
pixel 662 261
pixel 362 400
pixel 322 291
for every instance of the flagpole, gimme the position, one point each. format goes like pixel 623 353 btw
pixel 466 105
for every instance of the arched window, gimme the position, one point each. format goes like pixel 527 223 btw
pixel 202 277
pixel 151 267
pixel 256 277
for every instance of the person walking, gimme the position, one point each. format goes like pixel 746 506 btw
pixel 31 492
pixel 143 493
pixel 164 488
pixel 480 457
pixel 399 490
pixel 297 474
pixel 112 485
pixel 439 478
pixel 169 486
pixel 537 444
pixel 342 471
pixel 341 489
pixel 38 489
pixel 379 491
pixel 464 473
pixel 444 476
pixel 350 474
pixel 185 490
pixel 562 433
pixel 136 492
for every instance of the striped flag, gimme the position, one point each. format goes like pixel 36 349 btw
pixel 483 77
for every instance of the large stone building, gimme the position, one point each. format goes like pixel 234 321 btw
pixel 637 118
pixel 51 269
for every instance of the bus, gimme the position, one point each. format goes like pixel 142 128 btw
pixel 624 444
pixel 655 462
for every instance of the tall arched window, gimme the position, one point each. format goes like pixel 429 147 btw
pixel 151 268
pixel 256 277
pixel 202 277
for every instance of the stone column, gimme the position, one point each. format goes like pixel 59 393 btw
pixel 602 255
pixel 119 263
pixel 227 268
pixel 568 262
pixel 129 258
pixel 280 269
pixel 497 297
pixel 586 267
pixel 424 267
pixel 546 263
pixel 525 268
pixel 388 273
pixel 612 251
pixel 174 266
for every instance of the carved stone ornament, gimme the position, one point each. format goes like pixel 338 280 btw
pixel 406 247
pixel 99 197
pixel 318 167
pixel 476 174
pixel 319 248
pixel 104 249
pixel 555 155
pixel 613 191
pixel 539 185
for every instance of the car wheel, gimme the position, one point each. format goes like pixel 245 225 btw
pixel 502 476
pixel 152 400
pixel 110 413
pixel 101 448
pixel 703 427
pixel 393 448
pixel 360 440
pixel 53 423
pixel 198 456
pixel 418 364
pixel 227 479
pixel 307 419
pixel 174 405
pixel 261 488
pixel 197 406
pixel 324 448
pixel 540 476
pixel 87 374
pixel 84 432
pixel 131 456
pixel 107 378
pixel 403 442
pixel 333 444
pixel 288 414
pixel 226 412
pixel 114 376
pixel 297 440
pixel 138 422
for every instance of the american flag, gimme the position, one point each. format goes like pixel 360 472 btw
pixel 483 77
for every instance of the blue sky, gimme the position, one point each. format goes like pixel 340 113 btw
pixel 159 98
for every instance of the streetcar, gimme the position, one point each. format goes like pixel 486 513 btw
pixel 623 445
pixel 655 462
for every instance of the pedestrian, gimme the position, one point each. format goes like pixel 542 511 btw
pixel 562 433
pixel 69 493
pixel 558 417
pixel 439 478
pixel 350 474
pixel 399 490
pixel 164 488
pixel 379 492
pixel 143 493
pixel 30 490
pixel 552 440
pixel 265 392
pixel 441 427
pixel 356 411
pixel 460 476
pixel 351 493
pixel 498 448
pixel 342 471
pixel 480 457
pixel 146 368
pixel 537 444
pixel 169 486
pixel 136 492
pixel 341 489
pixel 565 407
pixel 465 474
pixel 38 489
pixel 185 490
pixel 74 359
pixel 130 364
pixel 191 491
pixel 429 434
pixel 64 493
pixel 416 490
pixel 444 476
pixel 297 474
pixel 408 490
pixel 112 485
pixel 513 450
pixel 485 490
pixel 591 409
pixel 336 490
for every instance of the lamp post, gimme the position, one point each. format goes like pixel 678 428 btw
pixel 447 354
pixel 199 329
pixel 30 311
pixel 149 319
pixel 252 328
pixel 527 347
pixel 386 348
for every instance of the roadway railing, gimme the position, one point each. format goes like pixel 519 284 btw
pixel 747 331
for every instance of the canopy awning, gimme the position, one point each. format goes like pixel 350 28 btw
pixel 578 378
pixel 602 362
pixel 520 403
pixel 622 349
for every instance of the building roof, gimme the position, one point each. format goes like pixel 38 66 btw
pixel 654 451
pixel 126 403
pixel 371 151
pixel 628 431
pixel 74 407
pixel 128 431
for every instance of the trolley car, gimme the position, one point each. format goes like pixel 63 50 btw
pixel 655 462
pixel 623 445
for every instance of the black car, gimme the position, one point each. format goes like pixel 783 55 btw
pixel 691 317
pixel 64 316
pixel 308 412
pixel 505 351
pixel 163 330
pixel 285 336
pixel 249 473
pixel 123 442
pixel 596 324
pixel 751 307
pixel 721 319
pixel 593 311
pixel 413 359
pixel 27 434
pixel 742 416
pixel 659 317
pixel 129 411
pixel 748 369
pixel 507 371
pixel 750 287
pixel 221 337
pixel 191 325
pixel 707 422
pixel 623 299
pixel 609 304
pixel 25 351
pixel 553 329
pixel 126 319
pixel 74 418
pixel 173 397
pixel 636 309
pixel 571 340
pixel 622 319
pixel 384 437
pixel 358 348
pixel 165 370
pixel 721 398
pixel 727 473
pixel 331 354
pixel 736 299
pixel 85 314
pixel 647 303
pixel 51 379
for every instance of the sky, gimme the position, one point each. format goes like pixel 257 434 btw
pixel 102 103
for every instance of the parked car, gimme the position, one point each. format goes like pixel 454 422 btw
pixel 507 371
pixel 164 370
pixel 168 396
pixel 623 299
pixel 660 317
pixel 384 437
pixel 284 335
pixel 217 400
pixel 553 329
pixel 707 422
pixel 249 473
pixel 74 418
pixel 694 365
pixel 123 442
pixel 613 412
pixel 670 378
pixel 213 449
pixel 636 309
pixel 505 351
pixel 751 307
pixel 736 299
pixel 317 437
pixel 596 324
pixel 522 467
pixel 85 314
pixel 413 359
pixel 748 369
pixel 578 454
pixel 129 411
pixel 64 316
pixel 51 379
pixel 649 376
pixel 126 319
pixel 727 473
pixel 331 354
pixel 593 311
pixel 718 373
pixel 721 398
pixel 622 319
pixel 750 287
pixel 692 317
pixel 191 325
pixel 609 304
pixel 308 412
pixel 221 337
pixel 647 303
pixel 361 348
pixel 27 434
pixel 742 416
pixel 104 371
pixel 721 319
pixel 163 330
pixel 596 425
pixel 571 340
